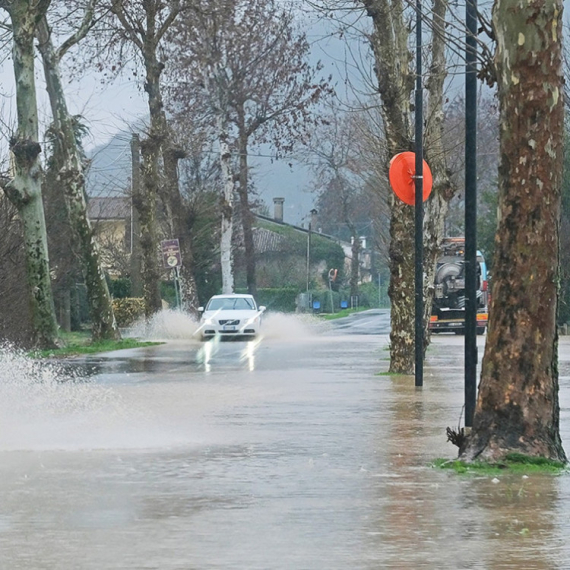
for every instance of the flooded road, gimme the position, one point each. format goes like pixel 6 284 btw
pixel 287 453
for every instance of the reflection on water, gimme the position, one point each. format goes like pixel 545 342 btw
pixel 286 452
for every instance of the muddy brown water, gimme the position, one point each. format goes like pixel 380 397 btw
pixel 287 453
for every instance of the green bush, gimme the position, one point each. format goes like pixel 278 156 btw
pixel 128 310
pixel 168 293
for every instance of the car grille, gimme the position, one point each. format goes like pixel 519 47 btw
pixel 228 322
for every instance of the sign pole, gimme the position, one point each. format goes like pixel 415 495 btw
pixel 419 207
pixel 470 212
pixel 177 287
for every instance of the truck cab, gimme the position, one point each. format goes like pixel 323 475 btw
pixel 448 308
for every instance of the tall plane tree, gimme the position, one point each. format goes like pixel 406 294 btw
pixel 251 64
pixel 517 408
pixel 71 176
pixel 390 41
pixel 143 26
pixel 395 74
pixel 25 188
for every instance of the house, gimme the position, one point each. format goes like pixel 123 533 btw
pixel 273 238
pixel 111 220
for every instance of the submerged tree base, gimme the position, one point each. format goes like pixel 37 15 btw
pixel 517 463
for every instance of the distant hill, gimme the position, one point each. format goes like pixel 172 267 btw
pixel 110 175
pixel 110 170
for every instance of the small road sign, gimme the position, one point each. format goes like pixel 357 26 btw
pixel 171 257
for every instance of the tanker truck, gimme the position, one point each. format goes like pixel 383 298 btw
pixel 448 309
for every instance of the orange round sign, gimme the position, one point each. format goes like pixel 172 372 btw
pixel 401 174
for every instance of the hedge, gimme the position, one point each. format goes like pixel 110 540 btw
pixel 277 299
pixel 128 310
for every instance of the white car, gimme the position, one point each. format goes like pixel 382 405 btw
pixel 230 316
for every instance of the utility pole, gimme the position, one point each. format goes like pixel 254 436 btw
pixel 470 212
pixel 136 281
pixel 419 207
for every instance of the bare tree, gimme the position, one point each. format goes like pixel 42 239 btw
pixel 143 26
pixel 71 177
pixel 25 187
pixel 517 408
pixel 333 153
pixel 390 40
pixel 248 63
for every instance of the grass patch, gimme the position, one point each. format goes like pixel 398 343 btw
pixel 515 463
pixel 80 343
pixel 342 313
pixel 391 374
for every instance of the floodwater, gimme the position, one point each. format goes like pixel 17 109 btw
pixel 290 452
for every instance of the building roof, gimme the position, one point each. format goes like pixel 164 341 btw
pixel 109 208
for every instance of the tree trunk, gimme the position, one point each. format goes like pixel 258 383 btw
pixel 25 189
pixel 246 216
pixel 135 261
pixel 517 408
pixel 436 208
pixel 72 181
pixel 401 289
pixel 180 229
pixel 226 206
pixel 146 202
pixel 395 85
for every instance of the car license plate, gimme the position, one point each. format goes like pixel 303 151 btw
pixel 228 328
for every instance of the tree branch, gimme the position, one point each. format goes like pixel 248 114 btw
pixel 175 10
pixel 131 28
pixel 86 24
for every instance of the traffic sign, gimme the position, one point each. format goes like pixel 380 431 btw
pixel 171 257
pixel 402 177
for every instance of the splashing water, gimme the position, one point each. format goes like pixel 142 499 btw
pixel 44 406
pixel 41 402
pixel 176 325
pixel 165 325
pixel 291 327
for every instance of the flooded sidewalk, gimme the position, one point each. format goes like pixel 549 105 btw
pixel 292 453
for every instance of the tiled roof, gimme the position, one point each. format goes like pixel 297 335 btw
pixel 265 241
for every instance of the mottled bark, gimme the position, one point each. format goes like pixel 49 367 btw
pixel 71 182
pixel 401 288
pixel 180 228
pixel 146 203
pixel 25 190
pixel 136 260
pixel 517 407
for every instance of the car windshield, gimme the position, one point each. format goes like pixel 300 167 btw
pixel 231 304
